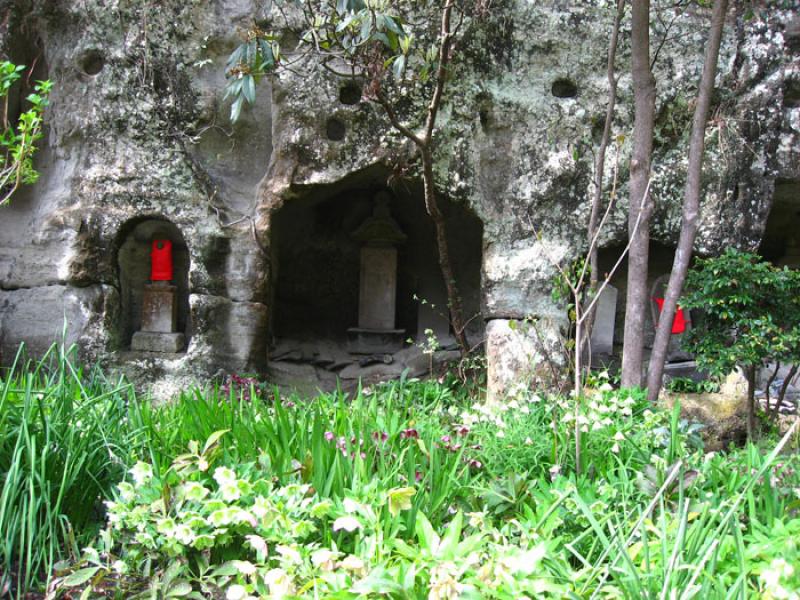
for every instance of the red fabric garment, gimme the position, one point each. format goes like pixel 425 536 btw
pixel 679 322
pixel 161 261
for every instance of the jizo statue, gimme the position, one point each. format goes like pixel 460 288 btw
pixel 161 261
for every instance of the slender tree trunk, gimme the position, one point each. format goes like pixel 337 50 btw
pixel 445 264
pixel 637 301
pixel 691 205
pixel 578 390
pixel 599 168
pixel 784 386
pixel 751 401
pixel 769 385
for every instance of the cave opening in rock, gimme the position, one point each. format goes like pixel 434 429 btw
pixel 780 243
pixel 135 244
pixel 319 245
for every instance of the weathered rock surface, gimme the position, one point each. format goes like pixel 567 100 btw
pixel 138 130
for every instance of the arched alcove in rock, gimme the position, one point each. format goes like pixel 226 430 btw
pixel 317 267
pixel 134 246
pixel 780 243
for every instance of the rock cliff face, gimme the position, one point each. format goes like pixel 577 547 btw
pixel 139 138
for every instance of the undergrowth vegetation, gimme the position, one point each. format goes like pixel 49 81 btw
pixel 411 489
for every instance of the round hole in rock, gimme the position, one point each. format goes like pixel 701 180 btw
pixel 564 88
pixel 92 62
pixel 335 129
pixel 350 94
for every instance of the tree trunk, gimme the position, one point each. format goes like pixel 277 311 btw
pixel 424 144
pixel 599 168
pixel 751 402
pixel 787 381
pixel 636 301
pixel 691 205
pixel 453 297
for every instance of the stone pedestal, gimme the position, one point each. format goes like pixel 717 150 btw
pixel 159 314
pixel 374 341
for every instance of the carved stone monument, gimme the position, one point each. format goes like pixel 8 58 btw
pixel 377 299
pixel 159 305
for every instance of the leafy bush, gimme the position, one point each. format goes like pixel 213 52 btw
pixel 18 139
pixel 197 534
pixel 687 385
pixel 750 315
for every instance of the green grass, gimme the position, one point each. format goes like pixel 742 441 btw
pixel 65 440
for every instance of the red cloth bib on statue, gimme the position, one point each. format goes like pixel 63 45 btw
pixel 679 322
pixel 161 261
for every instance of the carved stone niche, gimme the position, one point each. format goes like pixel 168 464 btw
pixel 377 301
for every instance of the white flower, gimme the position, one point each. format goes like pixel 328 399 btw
pixel 279 582
pixel 501 434
pixel 618 437
pixel 528 441
pixel 224 475
pixel 615 448
pixel 141 473
pixel 120 567
pixel 352 563
pixel 347 523
pixel 194 491
pixel 245 567
pixel 324 559
pixel 261 507
pixel 126 491
pixel 230 491
pixel 351 506
pixel 184 534
pixel 290 554
pixel 258 544
pixel 238 592
pixel 443 584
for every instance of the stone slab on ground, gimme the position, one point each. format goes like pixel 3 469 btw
pixel 153 341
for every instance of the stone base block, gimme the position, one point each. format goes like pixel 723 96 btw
pixel 684 369
pixel 374 341
pixel 150 341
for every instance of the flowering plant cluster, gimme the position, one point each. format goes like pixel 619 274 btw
pixel 203 531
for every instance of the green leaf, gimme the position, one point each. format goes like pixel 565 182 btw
pixel 178 589
pixel 249 89
pixel 80 576
pixel 399 66
pixel 425 534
